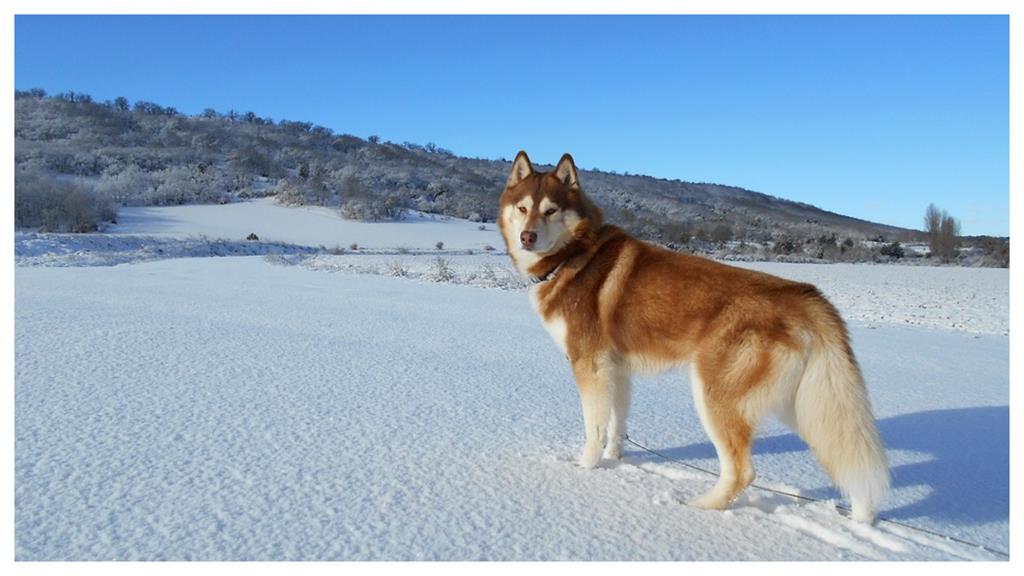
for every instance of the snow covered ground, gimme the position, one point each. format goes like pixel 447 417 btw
pixel 307 226
pixel 386 406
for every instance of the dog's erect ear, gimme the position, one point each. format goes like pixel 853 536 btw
pixel 521 168
pixel 566 172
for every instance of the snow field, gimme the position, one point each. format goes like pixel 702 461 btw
pixel 965 299
pixel 306 226
pixel 233 409
pixel 400 402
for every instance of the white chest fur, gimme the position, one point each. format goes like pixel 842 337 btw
pixel 555 325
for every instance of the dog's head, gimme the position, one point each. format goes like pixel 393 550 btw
pixel 542 212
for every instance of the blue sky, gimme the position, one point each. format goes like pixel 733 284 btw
pixel 870 116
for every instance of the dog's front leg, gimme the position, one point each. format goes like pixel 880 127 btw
pixel 620 408
pixel 595 394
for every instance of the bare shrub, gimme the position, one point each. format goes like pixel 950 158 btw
pixel 785 246
pixel 721 233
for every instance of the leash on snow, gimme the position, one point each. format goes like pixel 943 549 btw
pixel 809 499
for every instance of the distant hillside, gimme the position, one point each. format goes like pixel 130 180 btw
pixel 119 154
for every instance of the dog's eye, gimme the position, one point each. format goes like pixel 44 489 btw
pixel 550 211
pixel 522 209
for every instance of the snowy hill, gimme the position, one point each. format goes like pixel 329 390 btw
pixel 153 154
pixel 291 404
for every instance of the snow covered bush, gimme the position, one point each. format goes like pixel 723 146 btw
pixel 397 269
pixel 128 185
pixel 58 205
pixel 371 209
pixel 182 184
pixel 287 193
pixel 442 271
pixel 894 251
pixel 188 184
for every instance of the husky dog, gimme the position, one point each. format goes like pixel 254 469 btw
pixel 755 344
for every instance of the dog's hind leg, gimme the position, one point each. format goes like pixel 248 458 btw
pixel 594 381
pixel 621 388
pixel 731 434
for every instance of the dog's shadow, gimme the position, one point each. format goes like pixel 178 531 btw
pixel 965 466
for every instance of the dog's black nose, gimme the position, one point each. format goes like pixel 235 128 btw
pixel 528 238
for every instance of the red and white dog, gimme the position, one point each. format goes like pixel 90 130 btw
pixel 755 344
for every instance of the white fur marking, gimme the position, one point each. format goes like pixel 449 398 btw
pixel 558 330
pixel 523 259
pixel 546 204
pixel 555 325
pixel 647 366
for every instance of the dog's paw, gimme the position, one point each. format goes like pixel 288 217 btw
pixel 590 459
pixel 712 500
pixel 612 452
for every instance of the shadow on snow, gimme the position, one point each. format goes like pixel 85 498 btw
pixel 967 468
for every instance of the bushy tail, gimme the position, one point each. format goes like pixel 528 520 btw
pixel 833 415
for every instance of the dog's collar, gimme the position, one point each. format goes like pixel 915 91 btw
pixel 546 276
